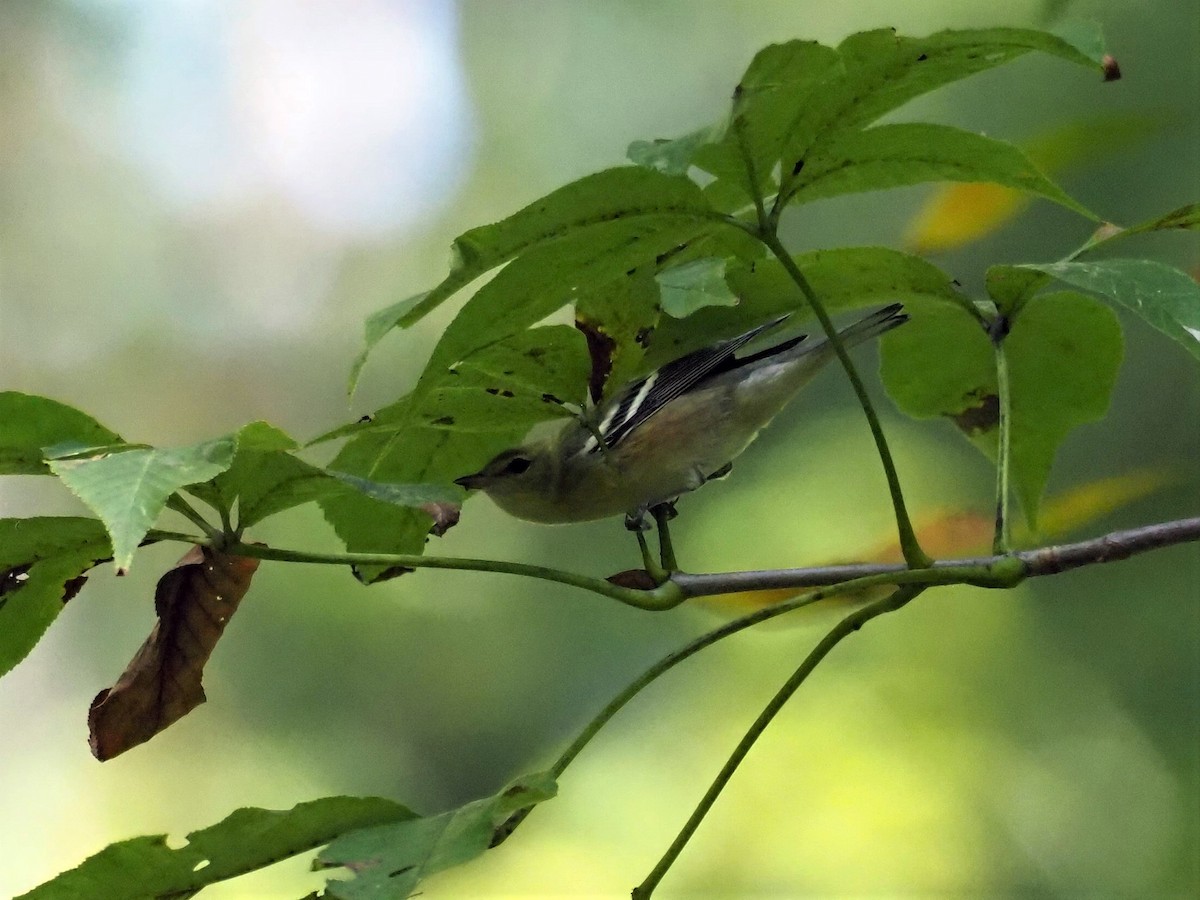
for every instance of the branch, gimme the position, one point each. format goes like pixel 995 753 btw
pixel 846 627
pixel 1016 566
pixel 665 596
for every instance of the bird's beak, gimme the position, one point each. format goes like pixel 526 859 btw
pixel 471 482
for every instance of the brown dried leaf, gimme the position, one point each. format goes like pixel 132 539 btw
pixel 194 602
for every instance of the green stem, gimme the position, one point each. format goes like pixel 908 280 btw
pixel 185 509
pixel 918 580
pixel 653 569
pixel 666 596
pixel 1000 542
pixel 913 554
pixel 666 549
pixel 843 629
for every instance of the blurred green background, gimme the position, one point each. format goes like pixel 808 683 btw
pixel 199 204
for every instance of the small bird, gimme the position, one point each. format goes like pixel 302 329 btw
pixel 665 434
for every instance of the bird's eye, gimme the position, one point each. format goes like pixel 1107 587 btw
pixel 517 465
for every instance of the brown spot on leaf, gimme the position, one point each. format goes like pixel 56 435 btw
pixel 194 602
pixel 643 336
pixel 1112 71
pixel 983 416
pixel 492 391
pixel 444 515
pixel 600 348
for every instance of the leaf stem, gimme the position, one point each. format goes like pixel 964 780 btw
pixel 185 509
pixel 841 630
pixel 909 545
pixel 1001 542
pixel 666 548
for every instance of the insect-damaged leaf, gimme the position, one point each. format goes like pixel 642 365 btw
pixel 194 602
pixel 391 860
pixel 247 839
pixel 42 561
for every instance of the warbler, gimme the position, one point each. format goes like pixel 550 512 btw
pixel 665 434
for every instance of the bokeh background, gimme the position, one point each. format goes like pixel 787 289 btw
pixel 200 201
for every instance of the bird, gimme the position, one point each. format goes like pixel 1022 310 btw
pixel 665 434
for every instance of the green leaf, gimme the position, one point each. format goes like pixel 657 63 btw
pixel 613 195
pixel 402 455
pixel 252 443
pixel 618 320
pixel 128 490
pixel 846 278
pixel 671 157
pixel 781 80
pixel 694 285
pixel 551 359
pixel 29 424
pixel 377 326
pixel 390 861
pixel 882 71
pixel 1063 354
pixel 1163 296
pixel 248 839
pixel 889 156
pixel 1011 287
pixel 941 363
pixel 41 564
pixel 542 280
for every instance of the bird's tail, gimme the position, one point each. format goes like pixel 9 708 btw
pixel 873 325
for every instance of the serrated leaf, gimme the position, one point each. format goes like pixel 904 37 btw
pixel 29 424
pixel 694 285
pixel 544 279
pixel 246 840
pixel 1063 354
pixel 549 360
pixel 957 214
pixel 889 156
pixel 781 80
pixel 1163 296
pixel 390 861
pixel 376 328
pixel 623 194
pixel 128 490
pixel 882 70
pixel 42 561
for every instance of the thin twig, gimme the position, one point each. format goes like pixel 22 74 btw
pixel 843 629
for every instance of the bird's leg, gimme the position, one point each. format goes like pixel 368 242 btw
pixel 664 513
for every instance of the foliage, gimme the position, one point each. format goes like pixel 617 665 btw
pixel 654 260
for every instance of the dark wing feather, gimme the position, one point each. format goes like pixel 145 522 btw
pixel 643 398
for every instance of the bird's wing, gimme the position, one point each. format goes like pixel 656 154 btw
pixel 646 396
